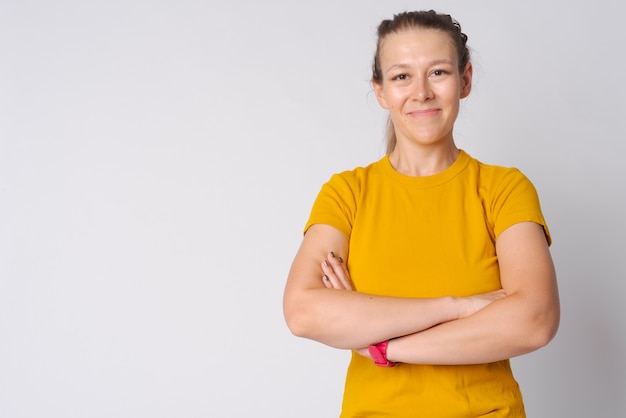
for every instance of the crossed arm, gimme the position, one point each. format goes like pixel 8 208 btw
pixel 320 304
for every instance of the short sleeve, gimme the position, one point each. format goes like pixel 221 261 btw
pixel 516 200
pixel 335 204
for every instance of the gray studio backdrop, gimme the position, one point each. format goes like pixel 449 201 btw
pixel 158 160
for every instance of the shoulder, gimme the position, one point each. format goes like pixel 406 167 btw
pixel 496 178
pixel 338 201
pixel 357 177
pixel 508 196
pixel 496 171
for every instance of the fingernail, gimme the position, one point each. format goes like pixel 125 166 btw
pixel 332 254
pixel 325 263
pixel 340 260
pixel 326 278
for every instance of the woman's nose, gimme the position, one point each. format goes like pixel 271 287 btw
pixel 422 90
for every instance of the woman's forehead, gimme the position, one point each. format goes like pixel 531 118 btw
pixel 433 44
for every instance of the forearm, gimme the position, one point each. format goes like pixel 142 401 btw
pixel 320 302
pixel 504 329
pixel 524 321
pixel 345 319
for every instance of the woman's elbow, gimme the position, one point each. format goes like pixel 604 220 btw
pixel 296 324
pixel 544 329
pixel 297 317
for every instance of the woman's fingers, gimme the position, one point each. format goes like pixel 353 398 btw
pixel 336 274
pixel 330 284
pixel 477 302
pixel 330 278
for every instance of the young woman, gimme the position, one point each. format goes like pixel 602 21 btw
pixel 431 266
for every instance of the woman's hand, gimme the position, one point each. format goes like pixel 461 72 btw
pixel 473 304
pixel 336 274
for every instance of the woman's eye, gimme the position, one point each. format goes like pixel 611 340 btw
pixel 439 72
pixel 401 77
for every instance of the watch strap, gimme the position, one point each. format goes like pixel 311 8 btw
pixel 379 354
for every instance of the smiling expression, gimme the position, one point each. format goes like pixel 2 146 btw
pixel 421 85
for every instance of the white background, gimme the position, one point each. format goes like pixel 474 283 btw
pixel 158 161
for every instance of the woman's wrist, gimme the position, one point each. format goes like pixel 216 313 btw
pixel 390 353
pixel 454 308
pixel 378 353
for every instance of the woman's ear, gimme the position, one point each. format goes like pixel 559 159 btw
pixel 380 96
pixel 466 80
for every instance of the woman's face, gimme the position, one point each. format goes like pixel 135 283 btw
pixel 421 85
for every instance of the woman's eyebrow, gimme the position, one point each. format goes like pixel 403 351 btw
pixel 404 66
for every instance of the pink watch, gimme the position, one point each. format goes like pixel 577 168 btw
pixel 379 354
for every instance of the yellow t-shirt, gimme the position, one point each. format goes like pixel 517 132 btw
pixel 427 237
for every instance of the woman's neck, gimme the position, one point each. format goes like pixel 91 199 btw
pixel 420 161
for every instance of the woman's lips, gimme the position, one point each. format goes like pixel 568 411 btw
pixel 423 113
